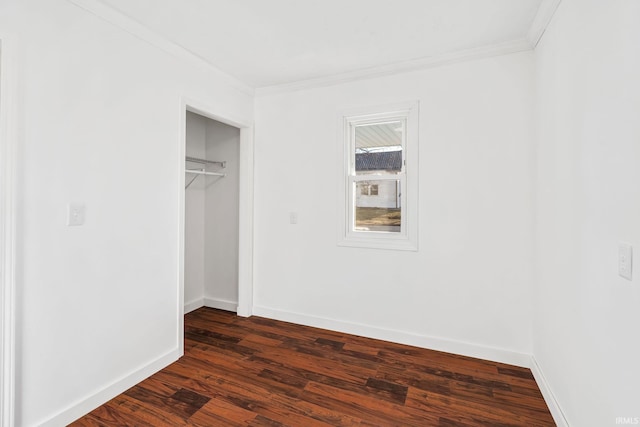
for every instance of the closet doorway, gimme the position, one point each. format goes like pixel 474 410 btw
pixel 211 213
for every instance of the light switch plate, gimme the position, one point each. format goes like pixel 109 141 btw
pixel 75 214
pixel 293 217
pixel 625 260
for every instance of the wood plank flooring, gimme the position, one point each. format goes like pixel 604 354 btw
pixel 260 372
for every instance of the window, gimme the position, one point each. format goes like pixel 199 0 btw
pixel 380 177
pixel 368 189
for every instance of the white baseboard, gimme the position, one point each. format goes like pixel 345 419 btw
pixel 549 397
pixel 432 343
pixel 221 304
pixel 89 403
pixel 212 303
pixel 193 305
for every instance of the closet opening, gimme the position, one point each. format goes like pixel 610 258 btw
pixel 211 214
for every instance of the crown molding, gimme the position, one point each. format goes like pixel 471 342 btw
pixel 114 16
pixel 140 31
pixel 543 17
pixel 401 67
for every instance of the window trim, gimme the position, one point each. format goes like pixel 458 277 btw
pixel 407 238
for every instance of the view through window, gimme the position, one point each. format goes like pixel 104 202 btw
pixel 378 169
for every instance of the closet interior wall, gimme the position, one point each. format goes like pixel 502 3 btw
pixel 211 216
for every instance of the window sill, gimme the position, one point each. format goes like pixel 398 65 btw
pixel 379 243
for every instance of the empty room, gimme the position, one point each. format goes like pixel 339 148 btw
pixel 336 213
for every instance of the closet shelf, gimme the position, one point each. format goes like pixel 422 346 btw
pixel 203 170
pixel 205 161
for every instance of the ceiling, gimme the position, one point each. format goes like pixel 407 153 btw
pixel 266 43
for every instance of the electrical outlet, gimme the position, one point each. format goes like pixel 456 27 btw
pixel 625 260
pixel 293 217
pixel 75 214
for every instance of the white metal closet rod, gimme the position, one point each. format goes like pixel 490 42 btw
pixel 200 172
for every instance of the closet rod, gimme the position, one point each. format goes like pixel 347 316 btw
pixel 201 172
pixel 205 161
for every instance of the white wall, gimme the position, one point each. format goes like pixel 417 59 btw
pixel 99 112
pixel 468 288
pixel 222 214
pixel 586 317
pixel 194 222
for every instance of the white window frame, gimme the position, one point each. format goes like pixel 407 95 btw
pixel 407 238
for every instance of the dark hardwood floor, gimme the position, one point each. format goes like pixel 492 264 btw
pixel 259 372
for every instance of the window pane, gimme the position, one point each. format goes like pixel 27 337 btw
pixel 377 206
pixel 379 148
